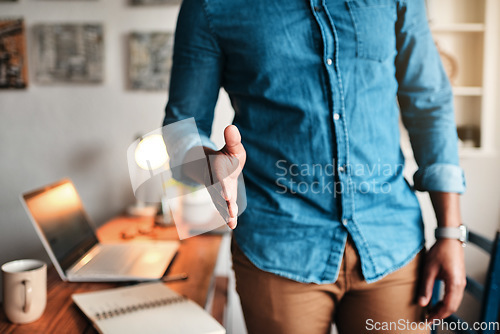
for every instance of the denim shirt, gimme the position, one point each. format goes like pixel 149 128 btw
pixel 318 88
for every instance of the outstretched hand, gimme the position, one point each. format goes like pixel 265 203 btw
pixel 225 167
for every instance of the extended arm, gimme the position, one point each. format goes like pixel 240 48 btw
pixel 196 79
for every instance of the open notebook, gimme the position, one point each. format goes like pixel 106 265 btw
pixel 145 308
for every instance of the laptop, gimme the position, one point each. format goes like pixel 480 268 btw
pixel 68 236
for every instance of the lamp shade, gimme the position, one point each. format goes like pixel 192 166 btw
pixel 151 153
pixel 148 167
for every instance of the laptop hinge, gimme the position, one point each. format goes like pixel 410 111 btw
pixel 83 260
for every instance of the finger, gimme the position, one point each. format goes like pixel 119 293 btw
pixel 219 202
pixel 233 212
pixel 222 209
pixel 232 137
pixel 429 279
pixel 217 193
pixel 225 192
pixel 437 312
pixel 231 188
pixel 454 289
pixel 232 223
pixel 233 209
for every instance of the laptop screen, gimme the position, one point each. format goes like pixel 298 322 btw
pixel 58 211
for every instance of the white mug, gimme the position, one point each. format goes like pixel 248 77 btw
pixel 24 290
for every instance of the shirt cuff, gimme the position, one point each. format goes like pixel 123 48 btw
pixel 181 137
pixel 440 177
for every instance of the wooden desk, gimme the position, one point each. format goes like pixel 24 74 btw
pixel 196 257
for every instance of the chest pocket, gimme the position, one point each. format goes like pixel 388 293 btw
pixel 374 22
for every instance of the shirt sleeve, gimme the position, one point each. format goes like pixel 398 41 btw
pixel 426 101
pixel 194 85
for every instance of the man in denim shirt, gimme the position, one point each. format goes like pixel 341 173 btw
pixel 332 231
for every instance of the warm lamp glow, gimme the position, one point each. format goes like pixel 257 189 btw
pixel 151 152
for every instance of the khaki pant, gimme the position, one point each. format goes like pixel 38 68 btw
pixel 273 304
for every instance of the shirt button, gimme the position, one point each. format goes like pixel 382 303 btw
pixel 341 169
pixel 329 61
pixel 336 116
pixel 344 222
pixel 317 9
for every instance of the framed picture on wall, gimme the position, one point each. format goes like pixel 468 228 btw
pixel 13 61
pixel 149 60
pixel 66 53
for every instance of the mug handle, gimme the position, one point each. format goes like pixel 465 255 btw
pixel 28 292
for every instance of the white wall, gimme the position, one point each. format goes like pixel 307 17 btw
pixel 79 131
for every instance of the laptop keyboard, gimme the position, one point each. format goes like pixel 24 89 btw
pixel 115 259
pixel 130 260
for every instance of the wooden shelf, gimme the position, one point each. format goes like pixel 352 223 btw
pixel 467 91
pixel 474 152
pixel 463 152
pixel 465 32
pixel 457 27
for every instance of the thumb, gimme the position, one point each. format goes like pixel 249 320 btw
pixel 233 141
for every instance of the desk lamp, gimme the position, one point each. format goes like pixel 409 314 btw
pixel 150 176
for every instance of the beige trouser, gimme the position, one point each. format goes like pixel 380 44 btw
pixel 273 304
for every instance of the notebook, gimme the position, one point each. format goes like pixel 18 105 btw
pixel 145 308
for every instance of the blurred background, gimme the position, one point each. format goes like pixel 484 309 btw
pixel 79 80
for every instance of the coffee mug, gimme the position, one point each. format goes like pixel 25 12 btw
pixel 24 290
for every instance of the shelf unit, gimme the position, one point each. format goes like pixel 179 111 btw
pixel 457 27
pixel 466 34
